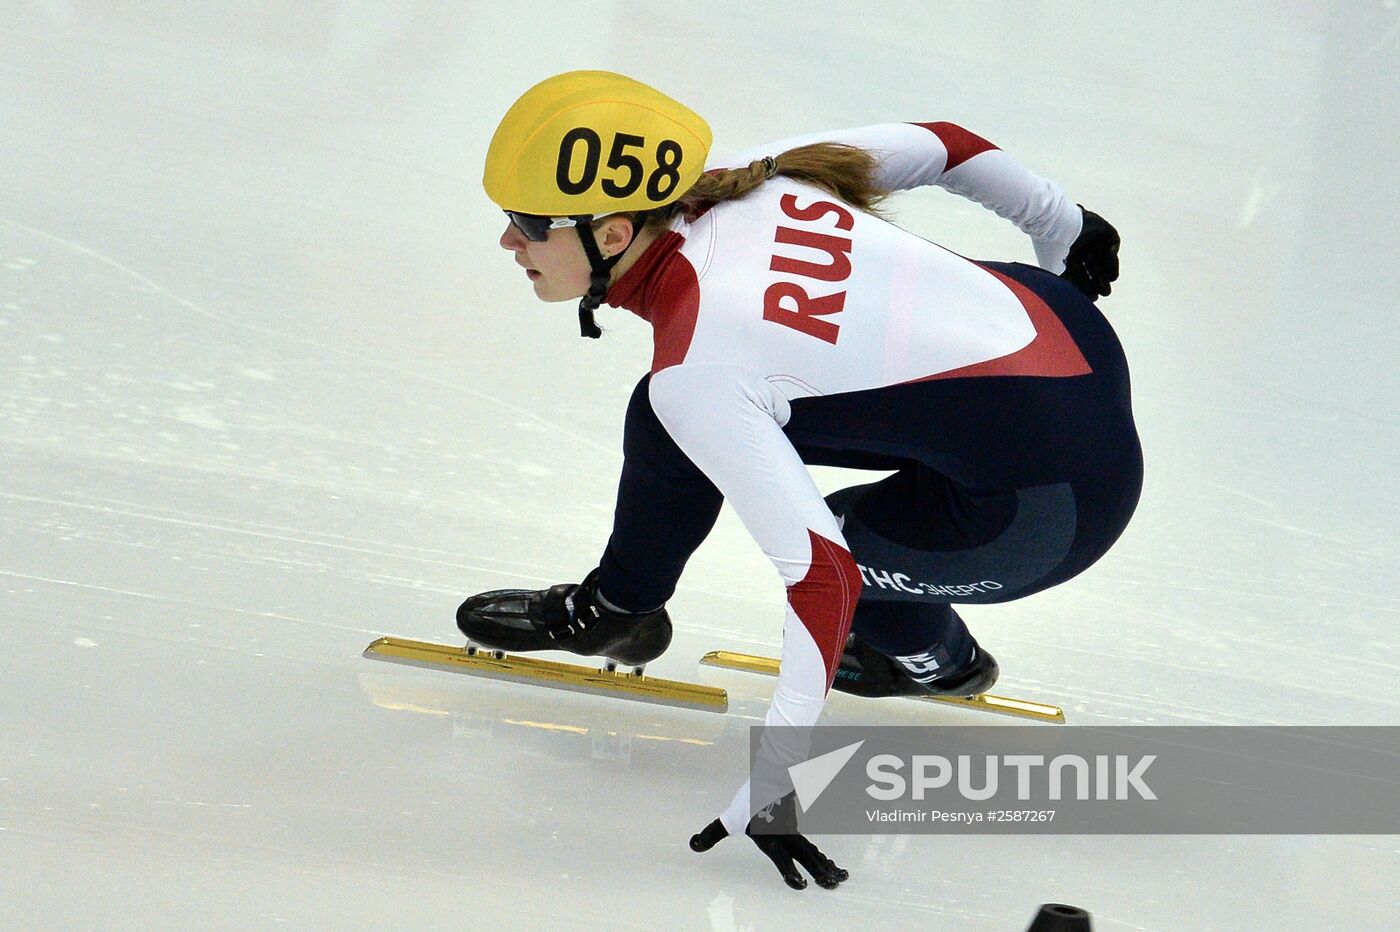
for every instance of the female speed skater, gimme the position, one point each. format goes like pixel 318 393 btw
pixel 793 325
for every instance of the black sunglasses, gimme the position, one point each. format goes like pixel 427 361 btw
pixel 536 228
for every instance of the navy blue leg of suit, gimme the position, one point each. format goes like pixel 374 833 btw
pixel 665 508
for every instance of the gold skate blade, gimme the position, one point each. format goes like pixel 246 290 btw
pixel 549 673
pixel 1004 705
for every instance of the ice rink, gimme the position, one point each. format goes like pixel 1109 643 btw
pixel 269 389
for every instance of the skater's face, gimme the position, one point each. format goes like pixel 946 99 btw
pixel 558 267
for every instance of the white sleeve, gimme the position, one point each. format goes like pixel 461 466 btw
pixel 727 421
pixel 913 155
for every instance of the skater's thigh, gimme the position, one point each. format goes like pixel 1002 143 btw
pixel 918 536
pixel 922 509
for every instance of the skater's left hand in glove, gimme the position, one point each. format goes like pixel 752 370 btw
pixel 782 847
pixel 1092 263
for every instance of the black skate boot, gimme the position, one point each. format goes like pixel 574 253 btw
pixel 565 617
pixel 864 671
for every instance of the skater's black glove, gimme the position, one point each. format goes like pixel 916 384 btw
pixel 782 849
pixel 1092 263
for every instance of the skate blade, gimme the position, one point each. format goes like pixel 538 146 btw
pixel 548 673
pixel 1003 705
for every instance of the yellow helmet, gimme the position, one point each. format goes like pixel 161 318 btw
pixel 588 143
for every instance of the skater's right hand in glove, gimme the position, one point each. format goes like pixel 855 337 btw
pixel 1092 263
pixel 782 848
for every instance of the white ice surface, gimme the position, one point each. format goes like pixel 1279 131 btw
pixel 268 388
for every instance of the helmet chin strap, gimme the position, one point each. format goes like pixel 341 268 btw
pixel 601 274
